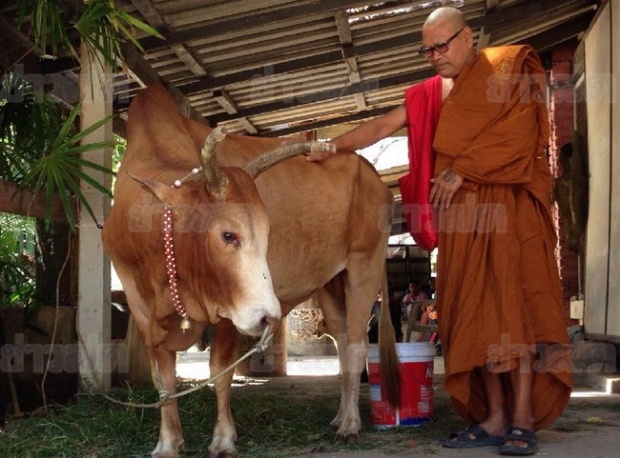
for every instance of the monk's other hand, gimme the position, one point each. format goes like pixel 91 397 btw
pixel 444 187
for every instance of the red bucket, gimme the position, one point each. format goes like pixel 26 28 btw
pixel 416 382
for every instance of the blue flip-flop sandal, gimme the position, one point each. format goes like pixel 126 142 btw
pixel 463 439
pixel 526 436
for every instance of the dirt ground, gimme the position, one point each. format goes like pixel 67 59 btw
pixel 588 428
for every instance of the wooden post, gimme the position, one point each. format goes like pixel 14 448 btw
pixel 94 309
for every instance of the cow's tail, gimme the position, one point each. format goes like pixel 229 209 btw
pixel 389 365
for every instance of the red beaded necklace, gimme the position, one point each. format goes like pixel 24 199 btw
pixel 171 263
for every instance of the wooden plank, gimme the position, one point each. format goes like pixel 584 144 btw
pixel 344 32
pixel 560 33
pixel 225 100
pixel 362 115
pixel 243 22
pixel 328 95
pixel 150 13
pixel 528 8
pixel 146 75
pixel 250 128
pixel 24 201
pixel 491 22
pixel 207 83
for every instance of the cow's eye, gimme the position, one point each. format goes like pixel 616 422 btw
pixel 229 237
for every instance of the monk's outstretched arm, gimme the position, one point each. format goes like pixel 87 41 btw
pixel 368 133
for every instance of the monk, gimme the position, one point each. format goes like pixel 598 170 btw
pixel 501 319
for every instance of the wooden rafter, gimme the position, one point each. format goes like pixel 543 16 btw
pixel 344 32
pixel 150 13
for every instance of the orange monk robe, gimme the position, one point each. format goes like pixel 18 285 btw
pixel 498 288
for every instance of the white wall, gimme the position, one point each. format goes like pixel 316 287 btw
pixel 602 291
pixel 613 304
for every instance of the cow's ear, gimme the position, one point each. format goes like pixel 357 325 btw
pixel 163 192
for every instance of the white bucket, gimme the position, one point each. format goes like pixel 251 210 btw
pixel 416 386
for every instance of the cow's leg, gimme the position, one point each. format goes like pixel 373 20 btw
pixel 361 285
pixel 333 313
pixel 347 421
pixel 223 352
pixel 163 371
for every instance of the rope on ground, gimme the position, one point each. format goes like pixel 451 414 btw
pixel 166 396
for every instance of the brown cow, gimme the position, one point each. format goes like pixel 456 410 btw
pixel 298 228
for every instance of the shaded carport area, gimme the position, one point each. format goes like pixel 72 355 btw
pixel 288 68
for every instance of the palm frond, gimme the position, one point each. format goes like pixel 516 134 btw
pixel 48 26
pixel 103 29
pixel 59 172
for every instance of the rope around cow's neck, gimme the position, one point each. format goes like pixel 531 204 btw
pixel 165 396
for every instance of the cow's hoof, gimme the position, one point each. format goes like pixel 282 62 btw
pixel 225 454
pixel 349 438
pixel 164 452
pixel 167 454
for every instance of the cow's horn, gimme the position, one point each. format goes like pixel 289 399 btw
pixel 270 158
pixel 216 180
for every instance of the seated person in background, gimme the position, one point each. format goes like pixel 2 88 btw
pixel 414 294
pixel 429 289
pixel 429 317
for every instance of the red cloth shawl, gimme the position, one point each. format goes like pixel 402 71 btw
pixel 423 103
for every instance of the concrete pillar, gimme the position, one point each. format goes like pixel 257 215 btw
pixel 94 310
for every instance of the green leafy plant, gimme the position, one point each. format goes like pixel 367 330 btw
pixel 58 172
pixel 17 240
pixel 48 25
pixel 101 26
pixel 41 147
pixel 27 121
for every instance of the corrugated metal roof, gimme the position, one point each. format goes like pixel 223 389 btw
pixel 271 67
pixel 277 67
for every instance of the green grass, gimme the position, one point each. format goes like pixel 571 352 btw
pixel 270 424
pixel 278 420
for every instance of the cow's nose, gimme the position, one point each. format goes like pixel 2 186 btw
pixel 270 324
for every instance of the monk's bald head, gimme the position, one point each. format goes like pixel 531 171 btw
pixel 447 41
pixel 446 15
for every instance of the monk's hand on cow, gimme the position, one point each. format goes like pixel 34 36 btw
pixel 320 151
pixel 316 156
pixel 444 187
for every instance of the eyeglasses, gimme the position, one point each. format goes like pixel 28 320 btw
pixel 439 47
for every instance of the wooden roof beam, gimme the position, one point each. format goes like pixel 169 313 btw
pixel 248 126
pixel 561 32
pixel 228 104
pixel 225 100
pixel 242 22
pixel 346 39
pixel 149 11
pixel 484 37
pixel 331 94
pixel 362 115
pixel 544 40
pixel 490 22
pixel 145 75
